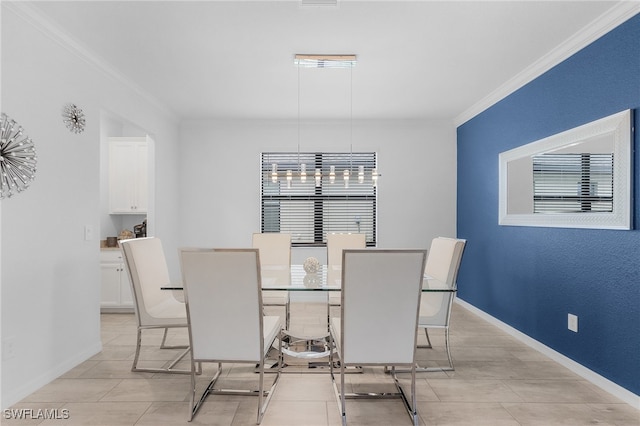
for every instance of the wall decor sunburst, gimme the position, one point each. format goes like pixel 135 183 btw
pixel 73 118
pixel 17 158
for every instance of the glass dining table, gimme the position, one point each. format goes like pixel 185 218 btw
pixel 295 278
pixel 326 279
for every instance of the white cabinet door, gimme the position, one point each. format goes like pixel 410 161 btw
pixel 126 297
pixel 142 178
pixel 110 281
pixel 115 288
pixel 128 176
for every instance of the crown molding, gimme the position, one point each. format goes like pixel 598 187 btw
pixel 609 20
pixel 38 20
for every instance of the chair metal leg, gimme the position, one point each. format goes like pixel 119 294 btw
pixel 263 402
pixel 340 394
pixel 343 401
pixel 287 313
pixel 195 406
pixel 264 397
pixel 410 406
pixel 448 347
pixel 329 306
pixel 260 394
pixel 168 369
pixel 163 345
pixel 328 312
pixel 429 346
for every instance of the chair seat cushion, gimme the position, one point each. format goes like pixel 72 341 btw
pixel 335 329
pixel 427 322
pixel 169 309
pixel 271 326
pixel 434 309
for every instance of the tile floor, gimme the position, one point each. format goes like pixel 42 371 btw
pixel 497 381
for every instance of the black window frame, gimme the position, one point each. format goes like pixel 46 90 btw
pixel 362 197
pixel 590 187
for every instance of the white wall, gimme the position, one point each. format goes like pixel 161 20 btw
pixel 50 274
pixel 220 168
pixel 112 125
pixel 206 192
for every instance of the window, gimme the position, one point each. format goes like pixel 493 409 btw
pixel 570 183
pixel 309 208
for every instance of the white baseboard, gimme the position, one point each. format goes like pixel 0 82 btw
pixel 603 383
pixel 14 396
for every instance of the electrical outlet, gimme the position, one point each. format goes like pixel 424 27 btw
pixel 88 232
pixel 572 323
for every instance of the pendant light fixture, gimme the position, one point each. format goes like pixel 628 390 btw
pixel 325 61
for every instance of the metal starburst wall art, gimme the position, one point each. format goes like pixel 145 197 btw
pixel 73 118
pixel 17 158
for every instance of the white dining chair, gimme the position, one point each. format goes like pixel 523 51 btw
pixel 275 253
pixel 379 318
pixel 154 308
pixel 336 242
pixel 443 263
pixel 226 324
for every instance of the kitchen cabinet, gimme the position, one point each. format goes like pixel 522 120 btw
pixel 128 176
pixel 116 288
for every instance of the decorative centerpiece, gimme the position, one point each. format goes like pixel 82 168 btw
pixel 311 280
pixel 311 265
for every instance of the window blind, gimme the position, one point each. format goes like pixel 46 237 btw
pixel 569 183
pixel 310 208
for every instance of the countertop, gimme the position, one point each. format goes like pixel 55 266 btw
pixel 103 246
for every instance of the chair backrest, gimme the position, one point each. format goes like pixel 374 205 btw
pixel 443 263
pixel 338 242
pixel 275 248
pixel 224 303
pixel 380 298
pixel 444 259
pixel 148 272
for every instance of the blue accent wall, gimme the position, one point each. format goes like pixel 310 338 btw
pixel 531 277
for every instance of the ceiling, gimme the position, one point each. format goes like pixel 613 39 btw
pixel 234 59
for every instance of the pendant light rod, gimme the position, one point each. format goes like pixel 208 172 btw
pixel 299 120
pixel 346 172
